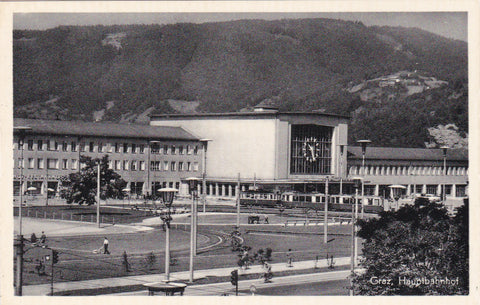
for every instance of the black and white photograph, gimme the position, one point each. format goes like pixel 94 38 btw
pixel 199 149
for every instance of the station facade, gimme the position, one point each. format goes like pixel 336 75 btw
pixel 278 151
pixel 147 157
pixel 299 151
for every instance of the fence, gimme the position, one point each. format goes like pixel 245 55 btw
pixel 83 217
pixel 317 222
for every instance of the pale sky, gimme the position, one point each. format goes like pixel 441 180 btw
pixel 448 24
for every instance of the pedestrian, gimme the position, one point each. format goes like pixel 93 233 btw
pixel 105 246
pixel 266 219
pixel 289 258
pixel 33 238
pixel 267 275
pixel 43 238
pixel 40 267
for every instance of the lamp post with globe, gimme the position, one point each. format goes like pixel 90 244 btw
pixel 167 194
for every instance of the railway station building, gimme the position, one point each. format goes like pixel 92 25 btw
pixel 264 148
pixel 147 157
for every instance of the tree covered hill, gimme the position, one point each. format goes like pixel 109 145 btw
pixel 305 64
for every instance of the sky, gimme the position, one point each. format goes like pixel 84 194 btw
pixel 448 24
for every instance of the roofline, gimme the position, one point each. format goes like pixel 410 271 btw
pixel 32 130
pixel 233 114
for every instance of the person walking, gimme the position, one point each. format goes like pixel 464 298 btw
pixel 289 258
pixel 105 246
pixel 43 238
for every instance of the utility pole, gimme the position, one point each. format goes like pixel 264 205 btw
pixel 325 217
pixel 19 256
pixel 238 202
pixel 98 194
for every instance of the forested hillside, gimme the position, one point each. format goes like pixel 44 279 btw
pixel 122 73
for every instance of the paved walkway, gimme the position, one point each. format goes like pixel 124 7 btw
pixel 71 228
pixel 44 289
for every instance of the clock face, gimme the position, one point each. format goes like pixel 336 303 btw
pixel 311 149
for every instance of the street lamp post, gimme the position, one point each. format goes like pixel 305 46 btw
pixel 364 144
pixel 167 195
pixel 444 151
pixel 353 255
pixel 342 148
pixel 358 181
pixel 193 182
pixel 21 131
pixel 98 192
pixel 204 172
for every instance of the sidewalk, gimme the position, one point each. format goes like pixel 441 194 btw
pixel 44 289
pixel 72 228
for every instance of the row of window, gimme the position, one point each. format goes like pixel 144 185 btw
pixel 50 163
pixel 100 147
pixel 132 165
pixel 407 171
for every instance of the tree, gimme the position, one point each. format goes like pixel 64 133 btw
pixel 81 187
pixel 417 250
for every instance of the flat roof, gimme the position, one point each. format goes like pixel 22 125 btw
pixel 245 114
pixel 398 153
pixel 104 129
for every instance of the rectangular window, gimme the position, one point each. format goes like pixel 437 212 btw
pixel 155 165
pixel 173 166
pixel 134 148
pixel 189 150
pixel 136 188
pixel 125 148
pixel 142 148
pixel 431 189
pixel 31 162
pixel 73 146
pixel 195 150
pixel 64 146
pixel 133 165
pixel 110 164
pixel 74 164
pixel 52 163
pixel 30 144
pixel 117 148
pixel 180 166
pixel 180 150
pixel 142 165
pixel 189 166
pixel 173 150
pixel 65 164
pixel 125 165
pixel 195 166
pixel 118 165
pixel 100 147
pixel 165 165
pixel 461 191
pixel 165 150
pixel 155 148
pixel 90 146
pixel 448 189
pixel 51 145
pixel 39 145
pixel 82 147
pixel 40 163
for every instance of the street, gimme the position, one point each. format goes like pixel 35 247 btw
pixel 328 283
